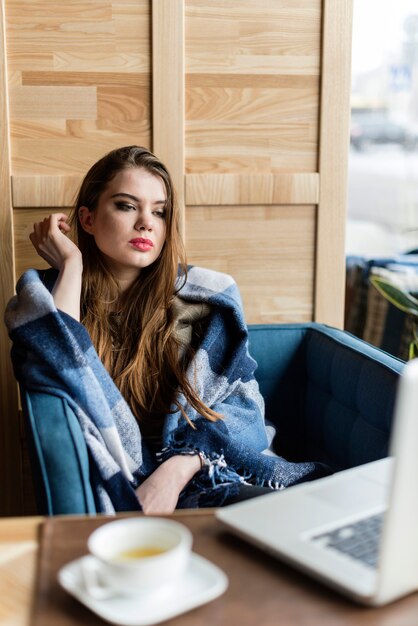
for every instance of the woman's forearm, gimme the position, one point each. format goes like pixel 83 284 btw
pixel 160 492
pixel 67 289
pixel 183 467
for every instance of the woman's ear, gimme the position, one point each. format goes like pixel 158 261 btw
pixel 86 218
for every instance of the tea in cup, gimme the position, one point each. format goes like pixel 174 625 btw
pixel 135 556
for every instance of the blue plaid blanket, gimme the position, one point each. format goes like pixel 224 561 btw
pixel 53 353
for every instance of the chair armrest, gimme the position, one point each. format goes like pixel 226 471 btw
pixel 59 456
pixel 329 394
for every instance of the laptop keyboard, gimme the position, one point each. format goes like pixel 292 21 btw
pixel 359 540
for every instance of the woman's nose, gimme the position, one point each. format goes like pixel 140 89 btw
pixel 143 222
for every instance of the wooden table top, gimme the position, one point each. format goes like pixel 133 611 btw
pixel 262 591
pixel 18 549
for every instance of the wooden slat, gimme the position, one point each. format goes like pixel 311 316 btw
pixel 251 64
pixel 207 189
pixel 71 156
pixel 31 11
pixel 11 492
pixel 280 110
pixel 333 162
pixel 262 27
pixel 44 191
pixel 106 62
pixel 73 79
pixel 168 89
pixel 41 102
pixel 269 250
pixel 272 81
pixel 232 147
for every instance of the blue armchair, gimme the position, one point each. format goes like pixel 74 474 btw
pixel 329 394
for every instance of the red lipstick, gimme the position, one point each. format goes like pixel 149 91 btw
pixel 142 244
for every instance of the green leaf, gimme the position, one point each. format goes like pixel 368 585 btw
pixel 398 296
pixel 413 350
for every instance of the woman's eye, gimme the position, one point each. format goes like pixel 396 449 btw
pixel 123 206
pixel 159 213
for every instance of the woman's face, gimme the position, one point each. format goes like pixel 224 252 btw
pixel 128 224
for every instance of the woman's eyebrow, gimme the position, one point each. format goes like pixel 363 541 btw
pixel 128 195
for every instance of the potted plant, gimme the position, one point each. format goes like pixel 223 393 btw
pixel 401 291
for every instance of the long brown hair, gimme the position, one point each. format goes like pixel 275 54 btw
pixel 145 364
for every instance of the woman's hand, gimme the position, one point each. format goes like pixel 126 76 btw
pixel 160 492
pixel 51 243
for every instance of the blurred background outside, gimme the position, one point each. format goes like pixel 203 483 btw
pixel 383 162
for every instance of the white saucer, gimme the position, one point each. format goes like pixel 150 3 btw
pixel 202 582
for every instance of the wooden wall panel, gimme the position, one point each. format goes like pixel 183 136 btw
pixel 45 191
pixel 252 189
pixel 80 72
pixel 269 250
pixel 252 86
pixel 11 491
pixel 252 112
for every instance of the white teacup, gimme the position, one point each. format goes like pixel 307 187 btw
pixel 136 555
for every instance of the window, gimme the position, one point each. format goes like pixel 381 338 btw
pixel 383 161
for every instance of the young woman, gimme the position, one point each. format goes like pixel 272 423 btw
pixel 173 343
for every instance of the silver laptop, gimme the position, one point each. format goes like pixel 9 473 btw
pixel 357 530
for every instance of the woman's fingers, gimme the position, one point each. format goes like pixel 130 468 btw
pixel 63 226
pixel 60 220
